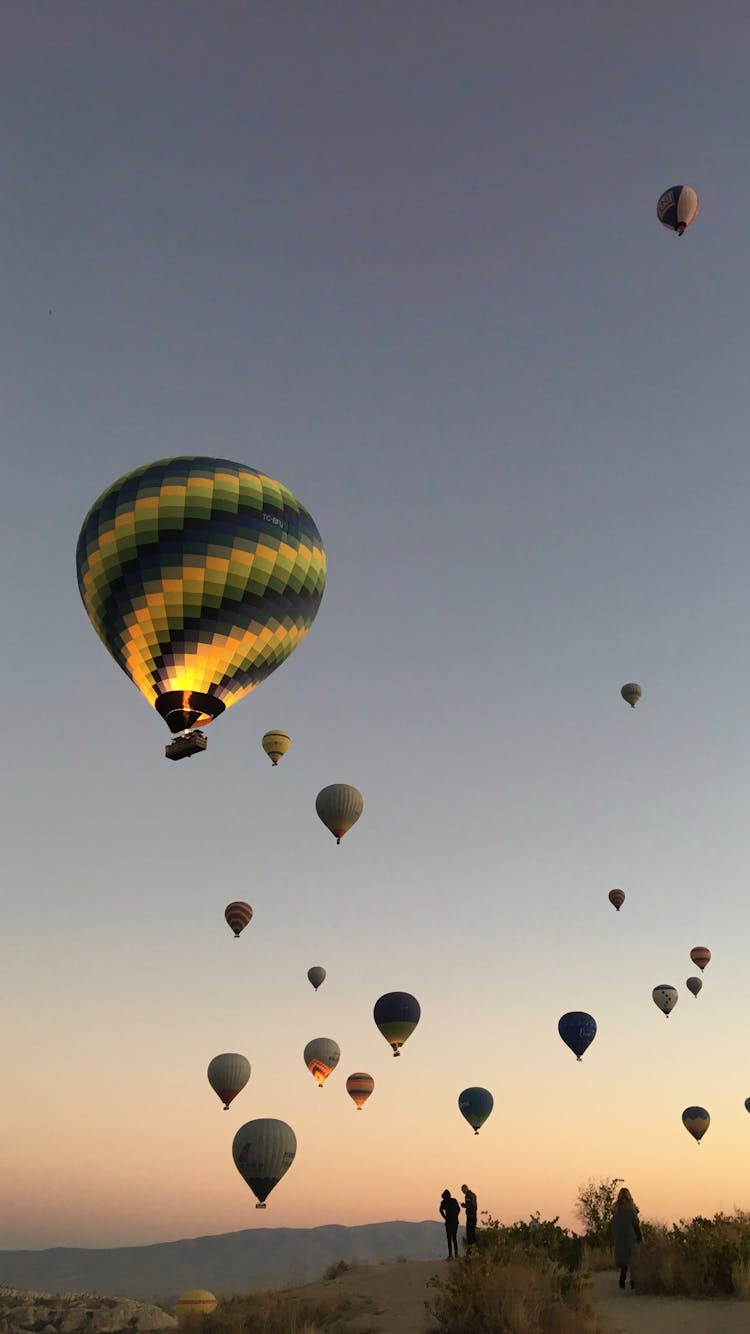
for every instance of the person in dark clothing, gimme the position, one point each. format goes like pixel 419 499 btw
pixel 470 1206
pixel 449 1210
pixel 626 1234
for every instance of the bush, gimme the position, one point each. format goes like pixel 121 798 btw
pixel 700 1257
pixel 594 1207
pixel 514 1293
pixel 280 1313
pixel 335 1268
pixel 522 1279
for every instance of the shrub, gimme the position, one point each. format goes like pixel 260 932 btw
pixel 280 1313
pixel 510 1292
pixel 335 1268
pixel 700 1257
pixel 540 1236
pixel 594 1208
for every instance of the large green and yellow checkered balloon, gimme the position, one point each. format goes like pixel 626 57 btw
pixel 200 576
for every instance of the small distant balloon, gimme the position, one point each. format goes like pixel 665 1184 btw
pixel 316 976
pixel 321 1056
pixel 228 1075
pixel 577 1030
pixel 194 1304
pixel 617 897
pixel 396 1015
pixel 339 806
pixel 631 693
pixel 475 1105
pixel 276 744
pixel 359 1086
pixel 263 1150
pixel 238 915
pixel 700 956
pixel 696 1121
pixel 665 997
pixel 747 1104
pixel 694 985
pixel 678 208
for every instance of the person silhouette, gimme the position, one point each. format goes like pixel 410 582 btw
pixel 449 1211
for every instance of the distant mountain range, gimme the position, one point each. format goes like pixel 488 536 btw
pixel 231 1262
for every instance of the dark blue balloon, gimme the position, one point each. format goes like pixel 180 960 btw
pixel 577 1030
pixel 475 1104
pixel 747 1104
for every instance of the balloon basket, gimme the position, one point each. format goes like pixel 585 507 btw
pixel 260 1206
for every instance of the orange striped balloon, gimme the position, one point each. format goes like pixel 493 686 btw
pixel 238 915
pixel 700 956
pixel 359 1087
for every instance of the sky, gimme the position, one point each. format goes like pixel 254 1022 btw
pixel 403 257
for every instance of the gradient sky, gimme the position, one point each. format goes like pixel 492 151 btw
pixel 404 257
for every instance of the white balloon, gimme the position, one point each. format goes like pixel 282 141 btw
pixel 665 997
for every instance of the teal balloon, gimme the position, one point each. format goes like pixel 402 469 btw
pixel 475 1104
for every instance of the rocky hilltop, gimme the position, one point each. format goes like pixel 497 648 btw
pixel 77 1313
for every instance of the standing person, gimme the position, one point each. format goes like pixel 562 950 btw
pixel 449 1210
pixel 626 1234
pixel 470 1205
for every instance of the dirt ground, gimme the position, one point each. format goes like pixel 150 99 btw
pixel 394 1298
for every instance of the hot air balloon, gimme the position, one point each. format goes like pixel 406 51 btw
pixel 694 984
pixel 194 1304
pixel 696 1121
pixel 665 997
pixel 238 915
pixel 631 693
pixel 200 577
pixel 700 956
pixel 359 1087
pixel 475 1104
pixel 339 807
pixel 577 1030
pixel 396 1015
pixel 321 1057
pixel 263 1151
pixel 228 1075
pixel 678 208
pixel 617 897
pixel 276 744
pixel 747 1104
pixel 316 976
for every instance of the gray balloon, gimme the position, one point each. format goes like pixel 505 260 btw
pixel 316 976
pixel 263 1150
pixel 321 1057
pixel 339 806
pixel 694 984
pixel 228 1075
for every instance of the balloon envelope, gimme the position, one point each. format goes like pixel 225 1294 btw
pixel 228 1075
pixel 665 997
pixel 321 1057
pixel 316 976
pixel 263 1150
pixel 747 1104
pixel 200 577
pixel 238 914
pixel 359 1086
pixel 577 1030
pixel 677 208
pixel 276 744
pixel 194 1304
pixel 631 693
pixel 700 956
pixel 475 1104
pixel 397 1014
pixel 696 1121
pixel 694 984
pixel 617 897
pixel 339 806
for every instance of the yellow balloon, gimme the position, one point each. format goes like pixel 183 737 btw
pixel 276 744
pixel 194 1304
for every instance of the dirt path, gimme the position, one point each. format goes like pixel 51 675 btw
pixel 392 1299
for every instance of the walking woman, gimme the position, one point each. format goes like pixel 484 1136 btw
pixel 626 1234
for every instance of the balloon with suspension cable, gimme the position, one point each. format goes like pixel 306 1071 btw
pixel 696 1121
pixel 617 898
pixel 339 806
pixel 316 976
pixel 276 745
pixel 665 997
pixel 475 1105
pixel 577 1030
pixel 396 1015
pixel 238 915
pixel 228 1075
pixel 359 1086
pixel 678 208
pixel 694 985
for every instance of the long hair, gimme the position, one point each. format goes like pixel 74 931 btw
pixel 624 1199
